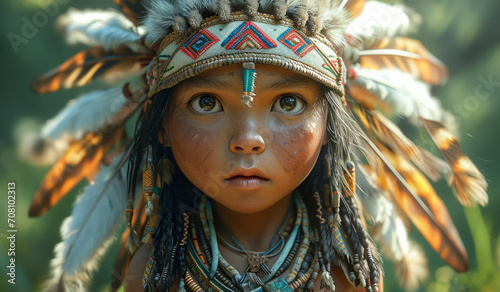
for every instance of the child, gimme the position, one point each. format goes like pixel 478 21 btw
pixel 249 150
pixel 250 161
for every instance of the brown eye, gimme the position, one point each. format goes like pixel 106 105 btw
pixel 288 104
pixel 205 104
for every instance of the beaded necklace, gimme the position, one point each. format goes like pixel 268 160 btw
pixel 209 271
pixel 257 260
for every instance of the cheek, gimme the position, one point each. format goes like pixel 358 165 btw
pixel 297 148
pixel 191 145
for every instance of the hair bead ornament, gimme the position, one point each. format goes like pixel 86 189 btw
pixel 331 196
pixel 151 192
pixel 186 229
pixel 350 177
pixel 148 181
pixel 133 241
pixel 319 212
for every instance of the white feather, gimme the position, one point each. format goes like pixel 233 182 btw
pixel 267 5
pixel 185 6
pixel 387 225
pixel 159 19
pixel 342 5
pixel 210 5
pixel 391 230
pixel 393 238
pixel 334 22
pixel 88 112
pixel 379 20
pixel 106 28
pixel 88 232
pixel 408 97
pixel 40 151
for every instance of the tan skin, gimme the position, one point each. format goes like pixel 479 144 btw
pixel 248 160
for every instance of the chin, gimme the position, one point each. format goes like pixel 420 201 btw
pixel 249 209
pixel 246 204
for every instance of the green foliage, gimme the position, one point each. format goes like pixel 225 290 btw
pixel 483 278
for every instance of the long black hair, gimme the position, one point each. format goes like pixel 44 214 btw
pixel 176 198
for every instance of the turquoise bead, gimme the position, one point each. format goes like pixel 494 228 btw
pixel 248 80
pixel 278 285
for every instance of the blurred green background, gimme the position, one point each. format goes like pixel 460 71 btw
pixel 464 34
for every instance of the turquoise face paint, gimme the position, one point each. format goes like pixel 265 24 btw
pixel 248 82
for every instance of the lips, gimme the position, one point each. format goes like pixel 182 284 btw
pixel 247 178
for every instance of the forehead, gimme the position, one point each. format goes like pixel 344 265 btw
pixel 269 77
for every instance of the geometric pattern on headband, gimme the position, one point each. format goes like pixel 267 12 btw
pixel 293 40
pixel 199 43
pixel 246 35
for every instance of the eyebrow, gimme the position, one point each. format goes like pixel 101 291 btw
pixel 208 81
pixel 290 82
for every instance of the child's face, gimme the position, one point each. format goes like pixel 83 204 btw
pixel 246 158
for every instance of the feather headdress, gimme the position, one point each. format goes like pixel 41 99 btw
pixel 361 52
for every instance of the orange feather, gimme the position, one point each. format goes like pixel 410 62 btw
pixel 81 160
pixel 355 7
pixel 87 65
pixel 467 182
pixel 407 55
pixel 416 197
pixel 390 134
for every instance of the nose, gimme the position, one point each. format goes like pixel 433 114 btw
pixel 247 140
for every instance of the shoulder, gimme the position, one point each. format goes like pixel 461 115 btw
pixel 136 268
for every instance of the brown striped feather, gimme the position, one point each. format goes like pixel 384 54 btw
pixel 87 65
pixel 467 182
pixel 422 65
pixel 389 133
pixel 124 257
pixel 355 7
pixel 81 160
pixel 416 197
pixel 134 10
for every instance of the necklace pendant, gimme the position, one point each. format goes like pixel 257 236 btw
pixel 255 262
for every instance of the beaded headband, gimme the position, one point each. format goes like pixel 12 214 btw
pixel 259 40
